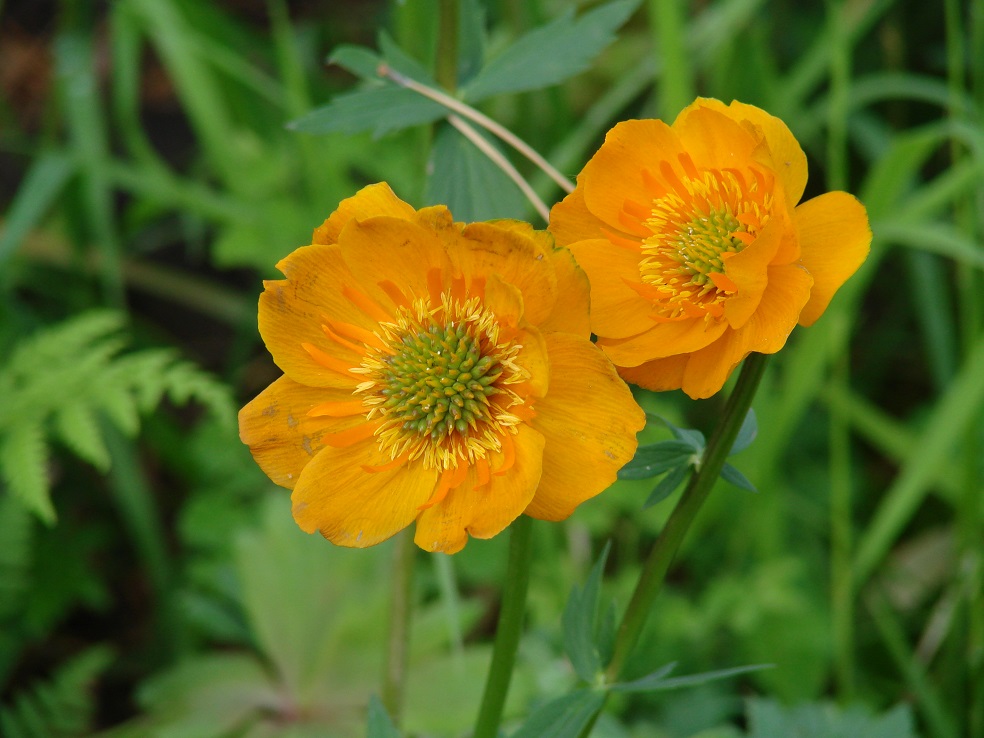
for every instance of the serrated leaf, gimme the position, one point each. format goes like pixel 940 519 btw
pixel 735 477
pixel 402 62
pixel 564 717
pixel 77 427
pixel 379 109
pixel 380 724
pixel 768 719
pixel 23 457
pixel 746 434
pixel 552 53
pixel 659 681
pixel 464 179
pixel 654 459
pixel 359 60
pixel 580 620
pixel 667 486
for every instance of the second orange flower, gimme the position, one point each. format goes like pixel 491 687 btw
pixel 696 249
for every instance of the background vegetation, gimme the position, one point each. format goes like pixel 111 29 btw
pixel 152 582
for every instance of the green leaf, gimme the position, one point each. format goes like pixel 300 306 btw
pixel 380 725
pixel 667 486
pixel 465 180
pixel 580 622
pixel 650 461
pixel 735 477
pixel 23 457
pixel 359 60
pixel 402 62
pixel 471 40
pixel 746 434
pixel 552 53
pixel 377 109
pixel 769 719
pixel 16 554
pixel 693 437
pixel 564 717
pixel 658 681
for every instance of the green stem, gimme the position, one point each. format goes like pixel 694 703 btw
pixel 509 629
pixel 446 70
pixel 669 540
pixel 401 608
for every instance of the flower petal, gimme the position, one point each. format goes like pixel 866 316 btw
pixel 712 138
pixel 615 172
pixel 374 199
pixel 663 339
pixel 570 312
pixel 356 508
pixel 571 221
pixel 390 250
pixel 293 311
pixel 482 511
pixel 516 258
pixel 765 332
pixel 659 375
pixel 834 240
pixel 749 270
pixel 589 420
pixel 281 435
pixel 787 158
pixel 617 311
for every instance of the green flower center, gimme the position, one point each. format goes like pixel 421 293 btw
pixel 438 382
pixel 445 385
pixel 698 245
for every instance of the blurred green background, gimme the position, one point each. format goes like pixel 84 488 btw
pixel 152 582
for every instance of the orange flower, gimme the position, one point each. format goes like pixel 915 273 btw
pixel 696 250
pixel 433 371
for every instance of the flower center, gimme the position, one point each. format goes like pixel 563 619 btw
pixel 444 383
pixel 697 225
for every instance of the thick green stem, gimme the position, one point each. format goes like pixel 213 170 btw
pixel 670 538
pixel 401 608
pixel 509 629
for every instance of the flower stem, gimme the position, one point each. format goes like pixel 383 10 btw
pixel 669 540
pixel 401 607
pixel 508 631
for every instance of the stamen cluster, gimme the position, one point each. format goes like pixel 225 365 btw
pixel 442 383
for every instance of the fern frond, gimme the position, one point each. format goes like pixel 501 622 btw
pixel 67 376
pixel 23 458
pixel 61 707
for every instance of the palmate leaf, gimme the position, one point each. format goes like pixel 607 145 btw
pixel 377 109
pixel 380 724
pixel 465 180
pixel 64 378
pixel 552 53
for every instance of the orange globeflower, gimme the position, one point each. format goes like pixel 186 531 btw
pixel 695 247
pixel 433 371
